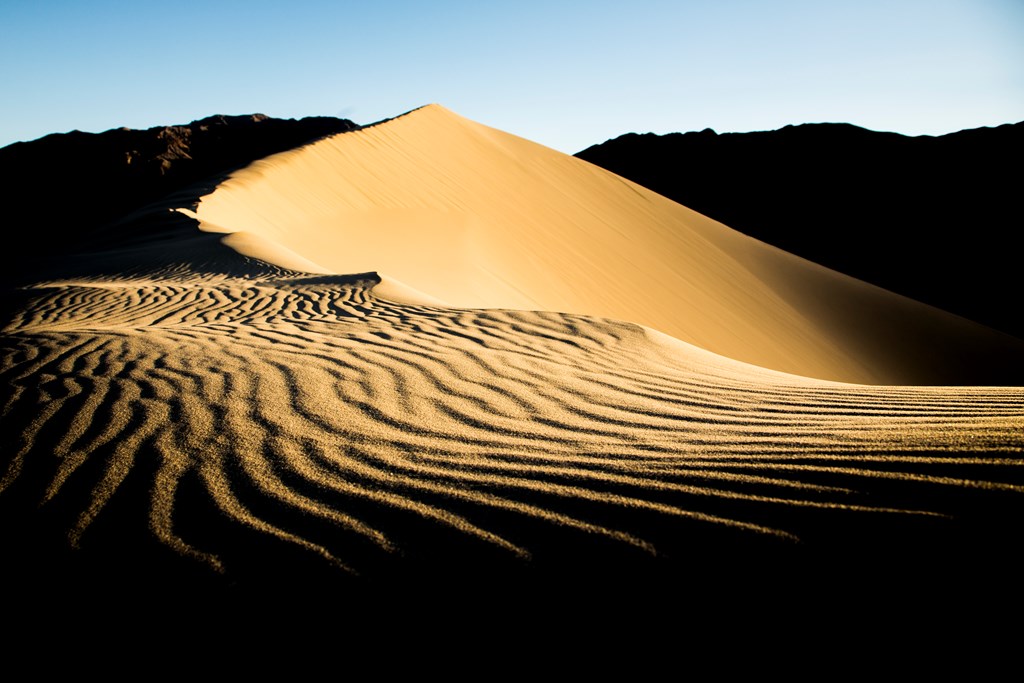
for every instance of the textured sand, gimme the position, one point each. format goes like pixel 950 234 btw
pixel 231 420
pixel 181 410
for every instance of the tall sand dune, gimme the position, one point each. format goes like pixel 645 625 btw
pixel 480 218
pixel 186 409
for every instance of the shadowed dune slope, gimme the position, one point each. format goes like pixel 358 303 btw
pixel 934 218
pixel 481 218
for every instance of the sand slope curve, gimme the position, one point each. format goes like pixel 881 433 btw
pixel 480 218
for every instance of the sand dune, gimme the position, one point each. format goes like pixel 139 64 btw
pixel 477 217
pixel 183 408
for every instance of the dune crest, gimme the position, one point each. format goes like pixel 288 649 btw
pixel 481 218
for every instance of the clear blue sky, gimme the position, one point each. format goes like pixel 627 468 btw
pixel 564 73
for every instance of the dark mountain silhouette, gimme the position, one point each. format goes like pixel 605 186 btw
pixel 937 219
pixel 60 188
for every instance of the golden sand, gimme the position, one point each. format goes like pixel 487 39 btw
pixel 477 217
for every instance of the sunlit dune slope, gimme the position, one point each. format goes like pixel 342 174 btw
pixel 480 218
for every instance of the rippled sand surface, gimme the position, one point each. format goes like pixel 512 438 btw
pixel 236 429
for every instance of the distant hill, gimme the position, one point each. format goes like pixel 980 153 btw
pixel 937 219
pixel 63 186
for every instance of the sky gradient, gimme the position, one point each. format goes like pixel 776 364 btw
pixel 566 74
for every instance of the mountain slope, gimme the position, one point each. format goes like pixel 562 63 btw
pixel 59 189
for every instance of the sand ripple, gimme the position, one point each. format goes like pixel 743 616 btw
pixel 233 426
